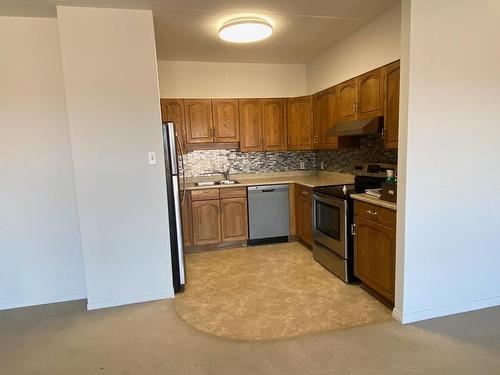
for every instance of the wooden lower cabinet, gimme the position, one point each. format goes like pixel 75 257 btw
pixel 218 217
pixel 304 214
pixel 234 222
pixel 375 253
pixel 186 219
pixel 206 222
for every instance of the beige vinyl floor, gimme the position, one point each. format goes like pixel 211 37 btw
pixel 270 292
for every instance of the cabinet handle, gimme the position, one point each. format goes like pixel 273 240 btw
pixel 383 131
pixel 354 107
pixel 315 139
pixel 372 212
pixel 353 229
pixel 288 140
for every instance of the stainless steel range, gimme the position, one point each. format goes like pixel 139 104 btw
pixel 333 217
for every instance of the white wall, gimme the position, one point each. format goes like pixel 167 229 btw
pixel 452 206
pixel 40 253
pixel 374 45
pixel 188 79
pixel 111 82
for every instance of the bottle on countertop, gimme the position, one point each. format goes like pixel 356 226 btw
pixel 390 177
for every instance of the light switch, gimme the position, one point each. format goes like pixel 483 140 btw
pixel 152 157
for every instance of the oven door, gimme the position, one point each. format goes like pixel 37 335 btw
pixel 329 223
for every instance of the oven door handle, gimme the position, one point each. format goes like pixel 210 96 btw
pixel 332 201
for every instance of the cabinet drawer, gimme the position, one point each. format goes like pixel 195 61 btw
pixel 375 213
pixel 304 191
pixel 200 195
pixel 233 192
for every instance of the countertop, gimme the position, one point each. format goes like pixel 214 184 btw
pixel 309 179
pixel 374 200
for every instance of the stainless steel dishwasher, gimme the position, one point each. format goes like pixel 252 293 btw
pixel 268 214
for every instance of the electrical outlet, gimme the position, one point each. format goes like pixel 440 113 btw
pixel 302 165
pixel 152 157
pixel 322 165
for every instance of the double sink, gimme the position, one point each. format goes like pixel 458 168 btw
pixel 212 183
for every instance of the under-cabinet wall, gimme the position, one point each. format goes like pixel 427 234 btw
pixel 210 162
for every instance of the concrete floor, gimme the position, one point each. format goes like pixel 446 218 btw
pixel 150 338
pixel 270 292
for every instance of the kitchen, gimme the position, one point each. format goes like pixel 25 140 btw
pixel 86 221
pixel 291 169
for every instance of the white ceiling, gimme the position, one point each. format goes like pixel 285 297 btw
pixel 187 29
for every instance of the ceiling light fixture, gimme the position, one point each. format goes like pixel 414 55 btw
pixel 245 30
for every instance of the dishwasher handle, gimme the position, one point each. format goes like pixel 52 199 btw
pixel 267 189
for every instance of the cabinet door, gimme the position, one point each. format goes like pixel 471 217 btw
pixel 234 225
pixel 391 114
pixel 206 222
pixel 325 116
pixel 274 124
pixel 173 110
pixel 303 201
pixel 371 94
pixel 347 97
pixel 186 220
pixel 250 125
pixel 374 256
pixel 198 115
pixel 299 123
pixel 225 118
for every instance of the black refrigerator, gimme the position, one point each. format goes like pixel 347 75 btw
pixel 171 147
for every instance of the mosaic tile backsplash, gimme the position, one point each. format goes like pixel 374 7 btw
pixel 212 162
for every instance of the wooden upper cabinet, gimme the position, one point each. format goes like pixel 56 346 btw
pixel 299 123
pixel 274 124
pixel 173 110
pixel 325 117
pixel 225 120
pixel 251 136
pixel 198 115
pixel 391 114
pixel 347 98
pixel 234 222
pixel 371 94
pixel 206 222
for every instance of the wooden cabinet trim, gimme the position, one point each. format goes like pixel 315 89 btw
pixel 198 195
pixel 233 192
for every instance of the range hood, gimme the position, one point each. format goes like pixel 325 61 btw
pixel 371 125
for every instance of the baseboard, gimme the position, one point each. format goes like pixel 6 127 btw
pixel 447 310
pixel 396 314
pixel 41 301
pixel 127 301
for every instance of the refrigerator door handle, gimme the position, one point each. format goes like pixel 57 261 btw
pixel 171 147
